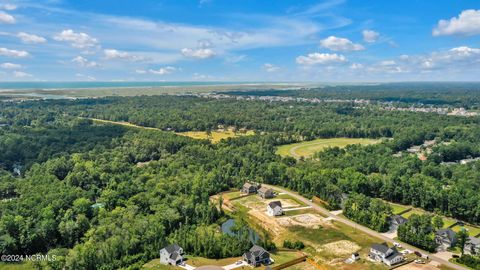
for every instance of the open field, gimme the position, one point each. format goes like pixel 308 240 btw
pixel 215 136
pixel 308 148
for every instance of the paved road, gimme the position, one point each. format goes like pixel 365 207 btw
pixel 363 228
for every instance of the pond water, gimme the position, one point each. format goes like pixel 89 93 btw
pixel 229 224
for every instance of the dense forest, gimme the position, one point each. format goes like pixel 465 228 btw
pixel 457 94
pixel 102 196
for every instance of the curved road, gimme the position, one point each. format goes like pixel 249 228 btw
pixel 362 228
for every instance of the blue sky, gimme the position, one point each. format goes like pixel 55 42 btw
pixel 239 40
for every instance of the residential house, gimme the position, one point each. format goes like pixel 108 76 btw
pixel 396 221
pixel 383 253
pixel 275 208
pixel 249 188
pixel 266 193
pixel 445 238
pixel 472 246
pixel 257 256
pixel 171 255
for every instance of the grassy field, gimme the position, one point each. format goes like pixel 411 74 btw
pixel 413 211
pixel 398 208
pixel 215 136
pixel 447 222
pixel 308 148
pixel 281 257
pixel 472 231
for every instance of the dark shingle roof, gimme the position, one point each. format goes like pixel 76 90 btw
pixel 172 248
pixel 383 248
pixel 257 250
pixel 275 204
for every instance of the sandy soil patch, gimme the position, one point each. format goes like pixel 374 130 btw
pixel 267 222
pixel 306 220
pixel 414 266
pixel 342 248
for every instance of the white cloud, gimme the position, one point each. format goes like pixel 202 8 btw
pixel 140 71
pixel 387 63
pixel 30 38
pixel 340 44
pixel 320 58
pixel 233 59
pixel 6 18
pixel 163 70
pixel 8 7
pixel 84 62
pixel 270 67
pixel 201 53
pixel 116 54
pixel 201 77
pixel 10 66
pixel 13 53
pixel 467 24
pixel 77 40
pixel 356 66
pixel 370 36
pixel 85 77
pixel 21 74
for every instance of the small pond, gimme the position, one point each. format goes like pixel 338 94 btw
pixel 229 224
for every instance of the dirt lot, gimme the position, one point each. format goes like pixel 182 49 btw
pixel 343 248
pixel 414 266
pixel 306 220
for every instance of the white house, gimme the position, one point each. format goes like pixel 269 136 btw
pixel 382 253
pixel 472 246
pixel 171 255
pixel 275 208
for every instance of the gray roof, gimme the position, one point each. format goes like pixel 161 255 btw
pixel 394 254
pixel 275 204
pixel 398 219
pixel 175 256
pixel 448 232
pixel 383 248
pixel 257 250
pixel 172 248
pixel 474 240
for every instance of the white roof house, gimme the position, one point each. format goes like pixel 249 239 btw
pixel 275 208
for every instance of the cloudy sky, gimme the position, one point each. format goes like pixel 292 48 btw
pixel 239 40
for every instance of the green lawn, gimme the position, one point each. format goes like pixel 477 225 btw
pixel 308 148
pixel 472 231
pixel 230 195
pixel 398 208
pixel 284 256
pixel 215 136
pixel 447 222
pixel 413 211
